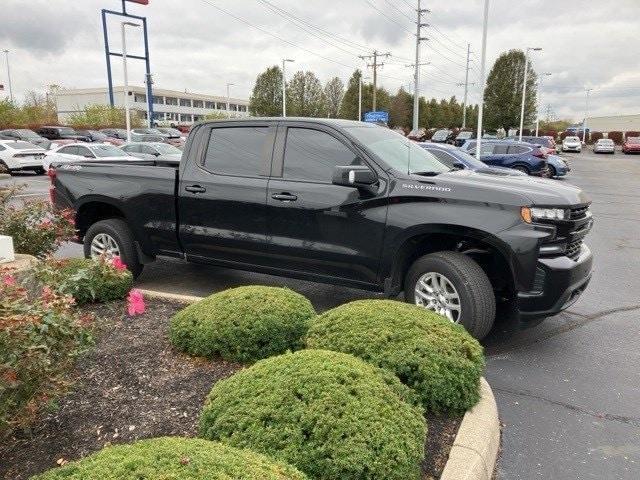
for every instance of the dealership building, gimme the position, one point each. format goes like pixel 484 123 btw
pixel 614 123
pixel 170 107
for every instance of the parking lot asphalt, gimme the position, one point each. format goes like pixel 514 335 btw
pixel 568 390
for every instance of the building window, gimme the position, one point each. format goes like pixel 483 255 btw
pixel 139 98
pixel 158 100
pixel 197 118
pixel 222 106
pixel 185 102
pixel 242 108
pixel 210 105
pixel 172 116
pixel 158 115
pixel 186 117
pixel 198 104
pixel 171 101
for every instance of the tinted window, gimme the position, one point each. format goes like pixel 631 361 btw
pixel 518 149
pixel 21 145
pixel 2 149
pixel 444 157
pixel 84 151
pixel 147 149
pixel 312 155
pixel 486 149
pixel 236 150
pixel 500 149
pixel 69 150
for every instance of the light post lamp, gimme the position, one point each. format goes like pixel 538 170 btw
pixel 483 57
pixel 542 75
pixel 127 115
pixel 524 86
pixel 284 85
pixel 228 96
pixel 6 54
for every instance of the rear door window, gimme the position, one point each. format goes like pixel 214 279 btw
pixel 85 152
pixel 69 150
pixel 486 149
pixel 499 149
pixel 239 151
pixel 518 149
pixel 311 155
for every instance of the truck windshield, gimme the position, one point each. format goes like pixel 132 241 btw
pixel 398 152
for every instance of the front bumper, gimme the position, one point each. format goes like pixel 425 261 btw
pixel 559 283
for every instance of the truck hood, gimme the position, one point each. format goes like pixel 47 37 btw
pixel 524 190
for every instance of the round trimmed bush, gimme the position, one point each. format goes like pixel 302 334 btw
pixel 329 414
pixel 436 358
pixel 243 324
pixel 174 458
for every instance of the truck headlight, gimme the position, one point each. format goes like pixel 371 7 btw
pixel 530 214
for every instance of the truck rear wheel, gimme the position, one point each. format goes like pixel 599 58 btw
pixel 453 285
pixel 113 237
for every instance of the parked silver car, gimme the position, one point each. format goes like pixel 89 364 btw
pixel 571 144
pixel 153 151
pixel 604 145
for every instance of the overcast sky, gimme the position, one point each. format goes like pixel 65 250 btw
pixel 195 46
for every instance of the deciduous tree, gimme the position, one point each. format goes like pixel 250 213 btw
pixel 266 98
pixel 333 92
pixel 305 96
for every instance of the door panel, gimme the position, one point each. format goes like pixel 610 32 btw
pixel 222 198
pixel 317 227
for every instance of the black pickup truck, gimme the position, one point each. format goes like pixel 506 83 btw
pixel 345 203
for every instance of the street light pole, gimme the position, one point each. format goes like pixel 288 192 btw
pixel 586 114
pixel 228 97
pixel 542 75
pixel 6 54
pixel 524 87
pixel 284 86
pixel 360 96
pixel 126 77
pixel 483 57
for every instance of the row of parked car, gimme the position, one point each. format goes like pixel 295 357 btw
pixel 24 149
pixel 602 145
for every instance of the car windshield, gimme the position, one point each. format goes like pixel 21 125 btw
pixel 148 131
pixel 20 145
pixel 98 135
pixel 67 131
pixel 605 140
pixel 28 133
pixel 572 139
pixel 634 140
pixel 440 135
pixel 464 135
pixel 174 132
pixel 107 151
pixel 469 159
pixel 398 152
pixel 166 149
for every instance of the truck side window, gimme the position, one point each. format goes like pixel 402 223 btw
pixel 311 155
pixel 236 150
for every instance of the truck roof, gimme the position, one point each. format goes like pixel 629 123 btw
pixel 335 122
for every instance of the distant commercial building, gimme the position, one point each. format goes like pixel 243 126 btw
pixel 614 123
pixel 170 107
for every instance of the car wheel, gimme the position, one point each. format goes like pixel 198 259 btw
pixel 39 171
pixel 113 237
pixel 522 169
pixel 453 285
pixel 552 171
pixel 3 168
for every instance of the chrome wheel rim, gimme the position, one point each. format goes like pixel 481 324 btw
pixel 435 292
pixel 104 244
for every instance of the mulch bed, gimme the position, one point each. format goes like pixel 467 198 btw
pixel 133 385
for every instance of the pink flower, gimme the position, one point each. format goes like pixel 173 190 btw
pixel 9 280
pixel 46 222
pixel 118 264
pixel 135 303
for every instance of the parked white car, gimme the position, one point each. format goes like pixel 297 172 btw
pixel 571 144
pixel 82 151
pixel 604 145
pixel 19 155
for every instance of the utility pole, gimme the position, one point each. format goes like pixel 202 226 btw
pixel 542 75
pixel 229 85
pixel 586 114
pixel 284 86
pixel 375 66
pixel 483 57
pixel 466 88
pixel 6 54
pixel 524 87
pixel 416 75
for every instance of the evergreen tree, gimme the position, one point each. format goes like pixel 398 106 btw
pixel 266 98
pixel 401 111
pixel 305 96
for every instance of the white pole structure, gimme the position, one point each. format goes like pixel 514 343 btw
pixel 362 77
pixel 416 90
pixel 127 113
pixel 228 98
pixel 284 86
pixel 483 57
pixel 6 54
pixel 586 114
pixel 542 75
pixel 524 87
pixel 466 87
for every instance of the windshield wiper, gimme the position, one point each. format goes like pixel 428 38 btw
pixel 426 174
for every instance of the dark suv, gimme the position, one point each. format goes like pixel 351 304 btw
pixel 522 156
pixel 62 133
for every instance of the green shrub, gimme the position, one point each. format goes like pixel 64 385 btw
pixel 243 324
pixel 86 280
pixel 436 358
pixel 174 459
pixel 329 414
pixel 37 229
pixel 39 338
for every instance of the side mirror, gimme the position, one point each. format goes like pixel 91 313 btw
pixel 156 154
pixel 357 176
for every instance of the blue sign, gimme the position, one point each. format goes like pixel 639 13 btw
pixel 374 117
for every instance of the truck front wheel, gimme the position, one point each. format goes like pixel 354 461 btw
pixel 453 285
pixel 112 238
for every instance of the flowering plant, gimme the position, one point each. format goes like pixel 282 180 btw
pixel 39 337
pixel 86 280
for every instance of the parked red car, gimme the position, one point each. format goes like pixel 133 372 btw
pixel 631 145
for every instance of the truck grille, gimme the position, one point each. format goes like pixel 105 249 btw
pixel 573 249
pixel 579 212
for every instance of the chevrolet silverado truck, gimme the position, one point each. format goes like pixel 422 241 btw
pixel 345 203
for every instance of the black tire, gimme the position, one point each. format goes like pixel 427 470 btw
pixel 120 232
pixel 552 171
pixel 477 300
pixel 4 168
pixel 39 171
pixel 522 168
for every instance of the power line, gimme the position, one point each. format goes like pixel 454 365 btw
pixel 398 10
pixel 392 20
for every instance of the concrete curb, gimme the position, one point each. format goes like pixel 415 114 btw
pixel 475 449
pixel 20 264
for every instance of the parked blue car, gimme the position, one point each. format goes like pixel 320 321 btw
pixel 455 158
pixel 558 166
pixel 521 156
